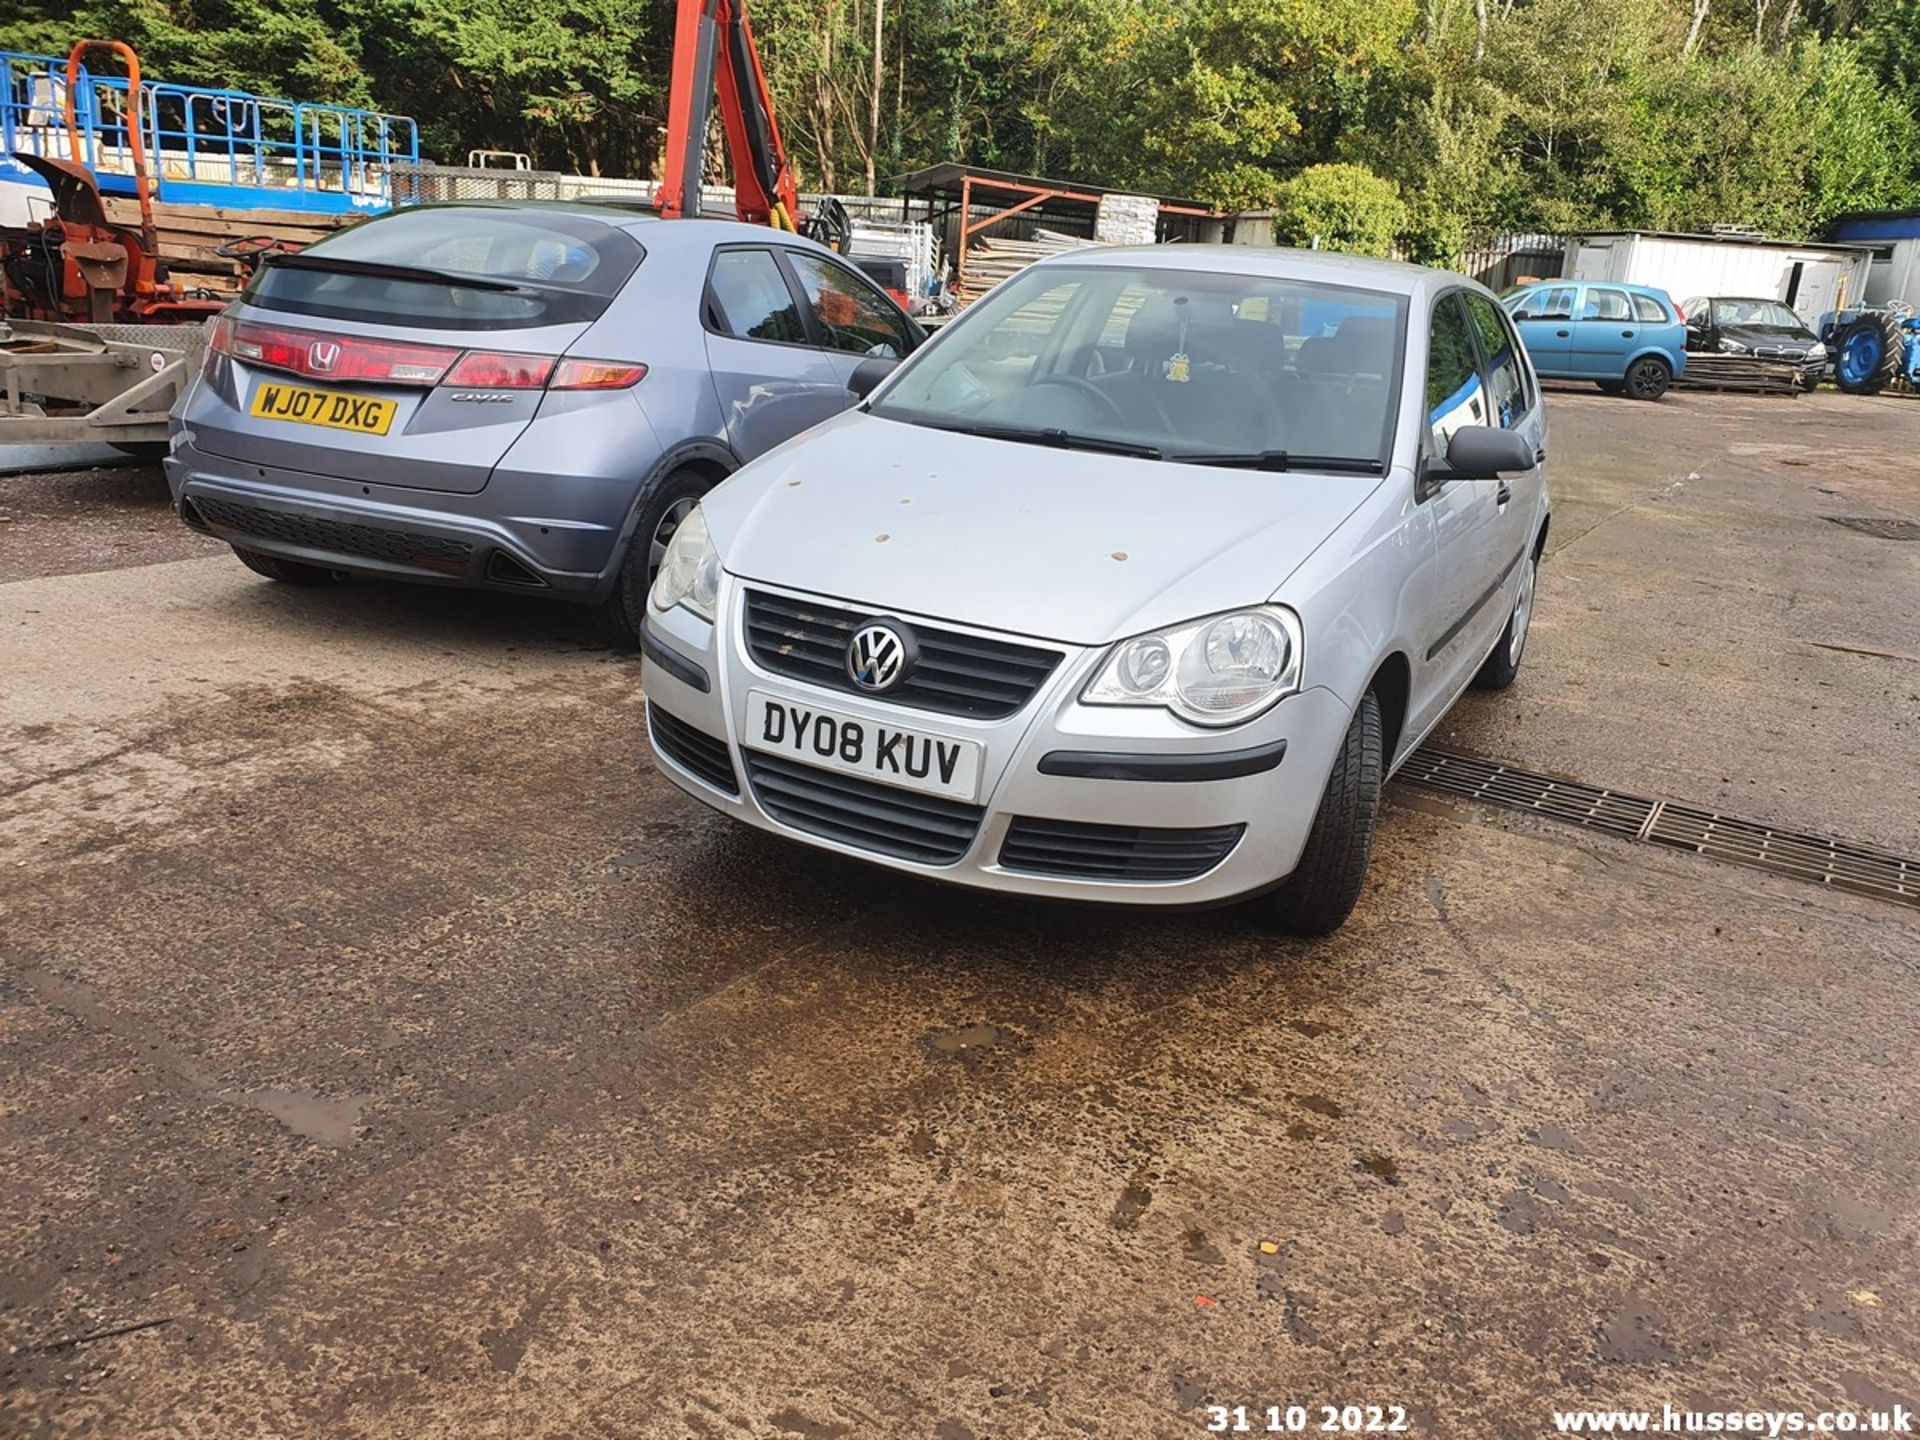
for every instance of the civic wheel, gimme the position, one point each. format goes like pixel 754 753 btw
pixel 663 510
pixel 1648 378
pixel 1320 893
pixel 1504 663
pixel 287 572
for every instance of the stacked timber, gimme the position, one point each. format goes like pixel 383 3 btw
pixel 190 236
pixel 991 261
pixel 1742 372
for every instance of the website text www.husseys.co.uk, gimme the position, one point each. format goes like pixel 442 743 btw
pixel 1671 1420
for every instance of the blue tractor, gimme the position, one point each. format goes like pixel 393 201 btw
pixel 1873 349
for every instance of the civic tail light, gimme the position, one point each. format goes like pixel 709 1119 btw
pixel 596 375
pixel 388 362
pixel 332 357
pixel 492 370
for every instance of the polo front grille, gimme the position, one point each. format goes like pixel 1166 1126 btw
pixel 881 818
pixel 376 542
pixel 956 674
pixel 691 749
pixel 1115 852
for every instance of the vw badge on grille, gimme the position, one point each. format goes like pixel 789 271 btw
pixel 880 655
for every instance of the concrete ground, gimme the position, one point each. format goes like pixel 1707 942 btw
pixel 386 1051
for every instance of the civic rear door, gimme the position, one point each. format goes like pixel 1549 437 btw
pixel 772 379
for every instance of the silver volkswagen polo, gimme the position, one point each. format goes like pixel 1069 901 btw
pixel 1132 586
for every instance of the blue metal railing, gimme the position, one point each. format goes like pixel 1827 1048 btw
pixel 205 146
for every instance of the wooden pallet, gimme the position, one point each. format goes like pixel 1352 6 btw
pixel 189 235
pixel 1741 372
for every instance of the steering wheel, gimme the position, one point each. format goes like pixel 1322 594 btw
pixel 252 247
pixel 1084 387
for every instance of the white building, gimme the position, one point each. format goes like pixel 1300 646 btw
pixel 1809 279
pixel 1893 236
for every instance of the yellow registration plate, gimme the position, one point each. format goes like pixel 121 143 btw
pixel 367 414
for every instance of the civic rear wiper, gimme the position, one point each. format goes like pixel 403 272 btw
pixel 1059 439
pixel 1284 460
pixel 380 271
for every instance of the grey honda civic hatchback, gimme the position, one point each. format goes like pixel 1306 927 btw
pixel 512 397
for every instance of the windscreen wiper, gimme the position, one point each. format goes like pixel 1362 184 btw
pixel 1059 439
pixel 304 260
pixel 1285 460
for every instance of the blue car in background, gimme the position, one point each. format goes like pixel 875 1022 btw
pixel 1627 339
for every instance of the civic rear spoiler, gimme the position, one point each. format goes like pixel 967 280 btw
pixel 305 260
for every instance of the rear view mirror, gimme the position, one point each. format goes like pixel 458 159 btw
pixel 869 373
pixel 1481 452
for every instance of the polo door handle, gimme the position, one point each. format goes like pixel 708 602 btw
pixel 1561 334
pixel 1503 495
pixel 1626 334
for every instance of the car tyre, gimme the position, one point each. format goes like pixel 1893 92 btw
pixel 286 572
pixel 1648 378
pixel 1504 663
pixel 667 502
pixel 1320 893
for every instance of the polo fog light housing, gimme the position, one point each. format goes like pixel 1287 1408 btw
pixel 1222 670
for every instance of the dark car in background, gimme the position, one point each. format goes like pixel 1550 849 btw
pixel 1763 330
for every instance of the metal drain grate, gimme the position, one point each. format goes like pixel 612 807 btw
pixel 1877 526
pixel 1835 863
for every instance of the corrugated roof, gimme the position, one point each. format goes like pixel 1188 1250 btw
pixel 1702 238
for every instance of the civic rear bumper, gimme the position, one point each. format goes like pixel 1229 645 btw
pixel 1101 804
pixel 325 520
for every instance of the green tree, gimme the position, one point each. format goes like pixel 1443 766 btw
pixel 1339 207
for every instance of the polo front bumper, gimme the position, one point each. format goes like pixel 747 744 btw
pixel 1095 803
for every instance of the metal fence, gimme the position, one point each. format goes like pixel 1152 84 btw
pixel 1502 261
pixel 426 183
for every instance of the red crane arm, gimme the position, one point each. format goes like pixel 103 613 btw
pixel 714 53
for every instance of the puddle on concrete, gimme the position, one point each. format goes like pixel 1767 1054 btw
pixel 1131 1205
pixel 1382 1166
pixel 326 1122
pixel 1202 1251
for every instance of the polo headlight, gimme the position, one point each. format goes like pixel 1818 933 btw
pixel 689 571
pixel 1217 671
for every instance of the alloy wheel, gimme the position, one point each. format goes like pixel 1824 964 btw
pixel 1522 613
pixel 1647 380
